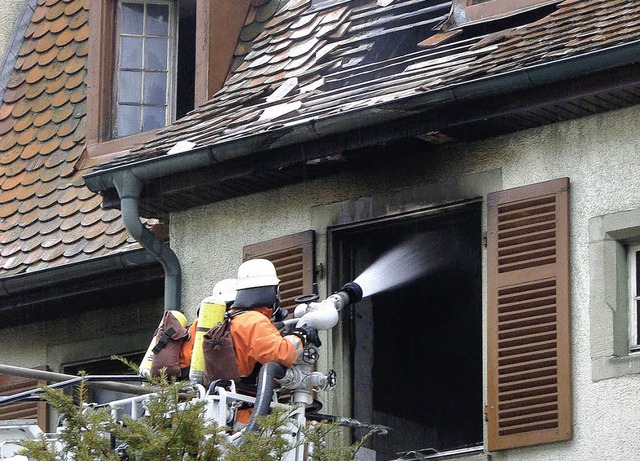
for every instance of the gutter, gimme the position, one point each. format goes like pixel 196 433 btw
pixel 300 132
pixel 129 188
pixel 33 281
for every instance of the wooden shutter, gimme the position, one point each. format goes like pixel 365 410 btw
pixel 293 257
pixel 528 318
pixel 36 411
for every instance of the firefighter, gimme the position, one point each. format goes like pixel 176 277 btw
pixel 255 338
pixel 210 312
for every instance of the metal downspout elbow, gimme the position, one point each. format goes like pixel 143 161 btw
pixel 129 188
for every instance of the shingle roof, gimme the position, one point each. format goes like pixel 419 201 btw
pixel 305 60
pixel 47 215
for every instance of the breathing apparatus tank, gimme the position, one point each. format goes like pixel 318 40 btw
pixel 145 365
pixel 211 313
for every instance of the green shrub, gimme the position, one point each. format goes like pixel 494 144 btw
pixel 173 430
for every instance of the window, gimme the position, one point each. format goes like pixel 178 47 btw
pixel 478 11
pixel 145 75
pixel 112 367
pixel 416 349
pixel 614 243
pixel 418 356
pixel 145 67
pixel 194 73
pixel 292 256
pixel 35 411
pixel 634 297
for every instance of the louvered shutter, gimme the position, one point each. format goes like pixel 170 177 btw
pixel 36 411
pixel 528 318
pixel 292 255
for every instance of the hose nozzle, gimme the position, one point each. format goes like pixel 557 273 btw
pixel 354 292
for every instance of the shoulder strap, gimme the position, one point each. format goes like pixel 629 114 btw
pixel 229 315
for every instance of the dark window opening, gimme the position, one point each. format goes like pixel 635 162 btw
pixel 106 366
pixel 186 71
pixel 416 350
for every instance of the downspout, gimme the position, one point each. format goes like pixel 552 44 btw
pixel 129 188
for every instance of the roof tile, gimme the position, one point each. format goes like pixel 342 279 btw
pixel 30 244
pixel 10 248
pixel 51 230
pixel 67 53
pixel 52 253
pixel 43 117
pixel 5 110
pixel 14 261
pixel 55 10
pixel 71 222
pixel 27 206
pixel 9 235
pixel 29 231
pixel 73 249
pixel 52 240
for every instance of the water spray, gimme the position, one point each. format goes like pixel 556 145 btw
pixel 397 267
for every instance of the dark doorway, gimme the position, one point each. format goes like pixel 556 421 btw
pixel 416 350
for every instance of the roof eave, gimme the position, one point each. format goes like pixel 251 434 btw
pixel 312 129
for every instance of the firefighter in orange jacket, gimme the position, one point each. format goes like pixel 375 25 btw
pixel 255 338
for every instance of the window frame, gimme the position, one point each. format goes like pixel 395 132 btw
pixel 293 257
pixel 102 15
pixel 218 23
pixel 172 62
pixel 610 236
pixel 329 219
pixel 634 298
pixel 37 411
pixel 488 10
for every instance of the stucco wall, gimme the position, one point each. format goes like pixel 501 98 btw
pixel 598 154
pixel 85 336
pixel 9 10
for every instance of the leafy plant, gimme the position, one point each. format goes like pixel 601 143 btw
pixel 173 429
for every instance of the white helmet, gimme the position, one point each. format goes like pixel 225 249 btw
pixel 256 273
pixel 224 291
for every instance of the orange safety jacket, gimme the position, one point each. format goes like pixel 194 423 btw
pixel 257 340
pixel 187 347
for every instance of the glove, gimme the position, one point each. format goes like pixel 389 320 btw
pixel 307 334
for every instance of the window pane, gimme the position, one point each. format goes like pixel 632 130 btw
pixel 129 87
pixel 637 274
pixel 637 304
pixel 155 88
pixel 155 54
pixel 132 14
pixel 131 53
pixel 158 20
pixel 154 117
pixel 128 120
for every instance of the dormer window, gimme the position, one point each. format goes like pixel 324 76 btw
pixel 141 71
pixel 145 70
pixel 469 12
pixel 151 62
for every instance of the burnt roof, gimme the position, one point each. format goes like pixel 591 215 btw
pixel 314 60
pixel 306 71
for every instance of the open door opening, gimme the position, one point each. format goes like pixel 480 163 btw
pixel 416 350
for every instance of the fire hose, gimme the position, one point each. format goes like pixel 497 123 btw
pixel 268 373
